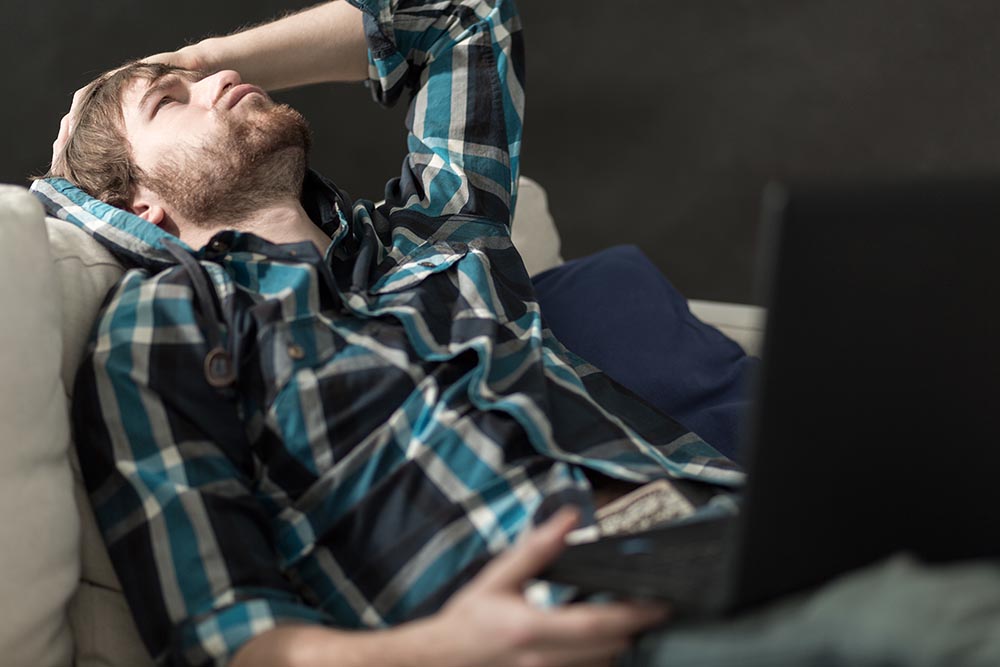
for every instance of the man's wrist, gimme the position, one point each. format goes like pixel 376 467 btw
pixel 414 644
pixel 420 643
pixel 324 43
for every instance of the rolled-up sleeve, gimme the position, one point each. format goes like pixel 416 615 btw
pixel 463 63
pixel 170 473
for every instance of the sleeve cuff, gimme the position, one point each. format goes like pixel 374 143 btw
pixel 389 72
pixel 214 639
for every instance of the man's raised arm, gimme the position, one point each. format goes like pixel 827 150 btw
pixel 322 44
pixel 462 61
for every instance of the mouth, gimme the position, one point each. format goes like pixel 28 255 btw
pixel 234 96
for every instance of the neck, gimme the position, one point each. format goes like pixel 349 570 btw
pixel 283 221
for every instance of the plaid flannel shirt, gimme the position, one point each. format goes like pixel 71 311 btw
pixel 399 412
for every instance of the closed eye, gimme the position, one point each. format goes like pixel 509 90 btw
pixel 164 101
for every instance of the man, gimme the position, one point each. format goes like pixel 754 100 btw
pixel 301 417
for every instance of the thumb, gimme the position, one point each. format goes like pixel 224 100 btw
pixel 535 550
pixel 163 58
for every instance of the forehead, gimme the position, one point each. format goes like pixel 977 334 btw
pixel 139 85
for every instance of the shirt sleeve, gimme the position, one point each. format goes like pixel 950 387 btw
pixel 463 62
pixel 170 473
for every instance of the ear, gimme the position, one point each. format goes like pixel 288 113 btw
pixel 147 206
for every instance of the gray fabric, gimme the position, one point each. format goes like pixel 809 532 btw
pixel 897 612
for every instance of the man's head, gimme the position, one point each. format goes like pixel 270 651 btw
pixel 180 148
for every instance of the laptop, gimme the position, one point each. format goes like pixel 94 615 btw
pixel 875 419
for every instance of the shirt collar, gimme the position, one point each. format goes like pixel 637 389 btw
pixel 136 242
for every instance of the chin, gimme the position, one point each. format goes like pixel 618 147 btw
pixel 256 162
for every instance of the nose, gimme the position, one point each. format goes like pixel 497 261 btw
pixel 210 89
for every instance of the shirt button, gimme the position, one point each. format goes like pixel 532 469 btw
pixel 428 265
pixel 218 245
pixel 295 351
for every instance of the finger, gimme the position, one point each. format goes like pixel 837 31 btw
pixel 63 132
pixel 536 549
pixel 78 97
pixel 184 57
pixel 74 107
pixel 64 123
pixel 608 621
pixel 164 58
pixel 69 120
pixel 61 139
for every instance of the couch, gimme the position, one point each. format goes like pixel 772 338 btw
pixel 60 602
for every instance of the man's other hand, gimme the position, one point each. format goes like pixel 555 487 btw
pixel 187 58
pixel 490 623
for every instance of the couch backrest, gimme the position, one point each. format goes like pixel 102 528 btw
pixel 103 630
pixel 39 563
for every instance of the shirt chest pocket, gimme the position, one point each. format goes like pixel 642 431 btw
pixel 426 260
pixel 290 346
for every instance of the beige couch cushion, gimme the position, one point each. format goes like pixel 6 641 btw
pixel 103 629
pixel 533 230
pixel 39 533
pixel 742 323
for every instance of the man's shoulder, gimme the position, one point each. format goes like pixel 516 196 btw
pixel 143 299
pixel 142 287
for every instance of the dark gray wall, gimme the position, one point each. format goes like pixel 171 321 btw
pixel 655 123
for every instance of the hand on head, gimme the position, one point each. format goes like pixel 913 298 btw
pixel 185 58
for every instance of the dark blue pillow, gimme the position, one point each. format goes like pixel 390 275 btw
pixel 616 310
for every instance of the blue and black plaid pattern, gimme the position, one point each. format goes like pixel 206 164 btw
pixel 400 412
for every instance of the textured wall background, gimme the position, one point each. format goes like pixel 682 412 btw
pixel 654 123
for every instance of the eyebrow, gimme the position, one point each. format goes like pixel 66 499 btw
pixel 165 81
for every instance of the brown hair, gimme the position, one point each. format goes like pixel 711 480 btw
pixel 97 156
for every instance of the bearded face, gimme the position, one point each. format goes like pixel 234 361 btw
pixel 258 157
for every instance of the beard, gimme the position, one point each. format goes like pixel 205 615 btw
pixel 257 160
